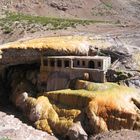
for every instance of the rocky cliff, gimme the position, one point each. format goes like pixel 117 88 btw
pixel 85 109
pixel 99 108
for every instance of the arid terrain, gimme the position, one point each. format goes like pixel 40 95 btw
pixel 69 27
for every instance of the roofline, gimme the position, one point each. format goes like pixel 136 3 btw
pixel 76 57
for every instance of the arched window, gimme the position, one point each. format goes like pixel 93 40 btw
pixel 91 64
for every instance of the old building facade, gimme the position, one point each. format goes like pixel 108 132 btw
pixel 92 68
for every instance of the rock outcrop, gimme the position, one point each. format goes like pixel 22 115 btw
pixel 28 51
pixel 12 128
pixel 98 107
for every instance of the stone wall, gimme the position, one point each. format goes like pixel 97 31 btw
pixel 19 56
pixel 58 78
pixel 14 56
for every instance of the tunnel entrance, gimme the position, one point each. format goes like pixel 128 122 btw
pixel 13 75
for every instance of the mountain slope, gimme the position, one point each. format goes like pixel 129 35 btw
pixel 89 9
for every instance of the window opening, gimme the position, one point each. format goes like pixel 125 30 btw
pixel 99 64
pixel 83 63
pixel 91 64
pixel 52 63
pixel 78 63
pixel 59 63
pixel 46 62
pixel 66 63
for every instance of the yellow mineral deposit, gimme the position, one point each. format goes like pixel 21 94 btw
pixel 110 106
pixel 65 43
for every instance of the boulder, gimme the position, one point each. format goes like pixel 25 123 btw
pixel 76 132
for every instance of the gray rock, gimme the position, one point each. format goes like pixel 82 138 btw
pixel 133 82
pixel 14 129
pixel 76 132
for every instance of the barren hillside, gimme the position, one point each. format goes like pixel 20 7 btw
pixel 85 9
pixel 66 17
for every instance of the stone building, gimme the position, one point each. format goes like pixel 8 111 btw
pixel 58 68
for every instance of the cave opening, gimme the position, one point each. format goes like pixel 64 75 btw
pixel 14 75
pixel 10 77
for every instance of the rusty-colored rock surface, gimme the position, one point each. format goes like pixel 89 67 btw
pixel 99 107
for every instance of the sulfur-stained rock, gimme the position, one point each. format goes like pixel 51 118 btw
pixel 107 106
pixel 97 123
pixel 41 108
pixel 43 125
pixel 20 88
pixel 99 106
pixel 115 111
pixel 41 112
pixel 67 113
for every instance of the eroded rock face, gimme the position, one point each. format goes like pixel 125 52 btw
pixel 125 56
pixel 112 106
pixel 99 108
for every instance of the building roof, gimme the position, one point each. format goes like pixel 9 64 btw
pixel 78 57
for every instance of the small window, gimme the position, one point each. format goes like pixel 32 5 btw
pixel 91 64
pixel 83 63
pixel 99 64
pixel 59 63
pixel 66 63
pixel 78 63
pixel 46 62
pixel 52 63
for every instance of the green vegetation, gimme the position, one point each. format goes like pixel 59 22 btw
pixel 90 86
pixel 4 138
pixel 80 98
pixel 52 23
pixel 108 5
pixel 7 29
